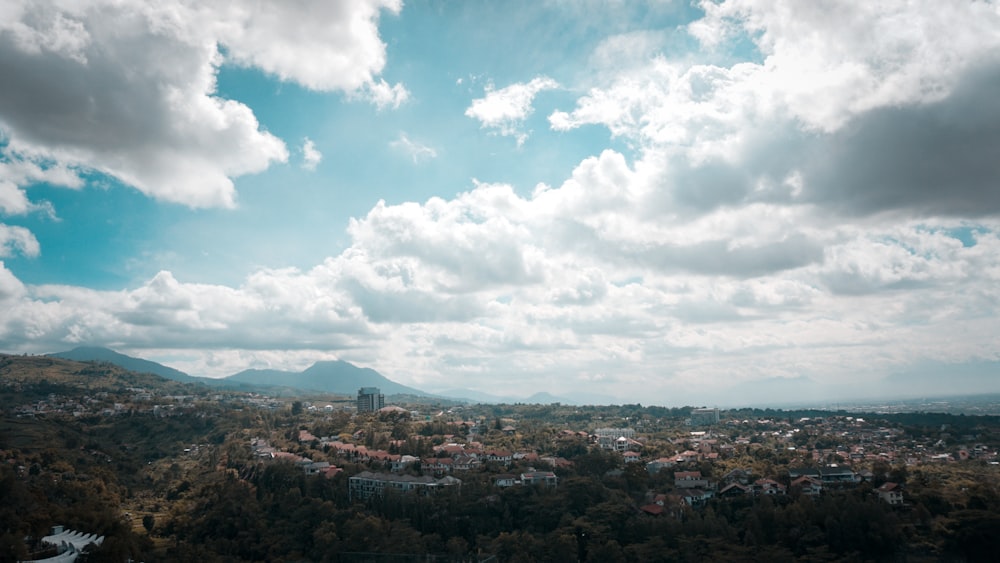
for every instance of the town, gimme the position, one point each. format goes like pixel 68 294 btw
pixel 177 469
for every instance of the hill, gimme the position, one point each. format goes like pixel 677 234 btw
pixel 45 372
pixel 338 377
pixel 97 354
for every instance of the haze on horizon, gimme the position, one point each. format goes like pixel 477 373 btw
pixel 643 201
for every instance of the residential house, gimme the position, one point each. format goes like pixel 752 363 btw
pixel 398 465
pixel 768 487
pixel 505 480
pixel 838 474
pixel 500 456
pixel 890 493
pixel 437 465
pixel 808 485
pixel 614 438
pixel 690 480
pixel 466 463
pixel 735 490
pixel 696 497
pixel 546 478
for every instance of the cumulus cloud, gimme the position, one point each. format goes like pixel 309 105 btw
pixel 17 239
pixel 834 215
pixel 311 157
pixel 128 88
pixel 505 110
pixel 868 108
pixel 321 45
pixel 419 152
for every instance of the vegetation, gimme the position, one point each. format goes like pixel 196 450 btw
pixel 176 479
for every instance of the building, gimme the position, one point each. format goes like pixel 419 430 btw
pixel 704 417
pixel 367 484
pixel 545 478
pixel 891 493
pixel 370 399
pixel 614 438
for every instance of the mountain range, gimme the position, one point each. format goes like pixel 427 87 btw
pixel 344 378
pixel 339 377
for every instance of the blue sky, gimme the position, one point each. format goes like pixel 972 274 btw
pixel 638 199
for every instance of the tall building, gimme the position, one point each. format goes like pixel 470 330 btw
pixel 370 399
pixel 704 417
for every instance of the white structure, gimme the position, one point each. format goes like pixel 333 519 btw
pixel 614 438
pixel 69 543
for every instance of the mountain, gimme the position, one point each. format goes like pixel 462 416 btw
pixel 338 377
pixel 138 365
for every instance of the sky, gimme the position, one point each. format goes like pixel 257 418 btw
pixel 641 201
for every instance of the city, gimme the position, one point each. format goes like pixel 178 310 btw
pixel 918 476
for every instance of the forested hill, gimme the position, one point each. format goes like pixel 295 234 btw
pixel 338 377
pixel 97 354
pixel 33 371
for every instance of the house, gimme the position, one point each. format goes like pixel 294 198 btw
pixel 796 472
pixel 768 487
pixel 546 478
pixel 735 490
pixel 500 456
pixel 838 474
pixel 696 497
pixel 690 480
pixel 809 486
pixel 505 480
pixel 399 464
pixel 465 463
pixel 630 457
pixel 653 509
pixel 614 438
pixel 316 467
pixel 890 493
pixel 437 465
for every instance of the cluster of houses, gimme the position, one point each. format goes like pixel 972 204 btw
pixel 263 450
pixel 826 453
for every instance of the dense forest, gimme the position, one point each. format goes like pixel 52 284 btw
pixel 188 487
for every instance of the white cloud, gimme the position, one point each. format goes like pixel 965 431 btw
pixel 505 110
pixel 128 88
pixel 311 157
pixel 10 287
pixel 769 226
pixel 17 239
pixel 419 152
pixel 385 96
pixel 321 45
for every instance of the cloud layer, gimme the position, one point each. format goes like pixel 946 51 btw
pixel 825 204
pixel 128 88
